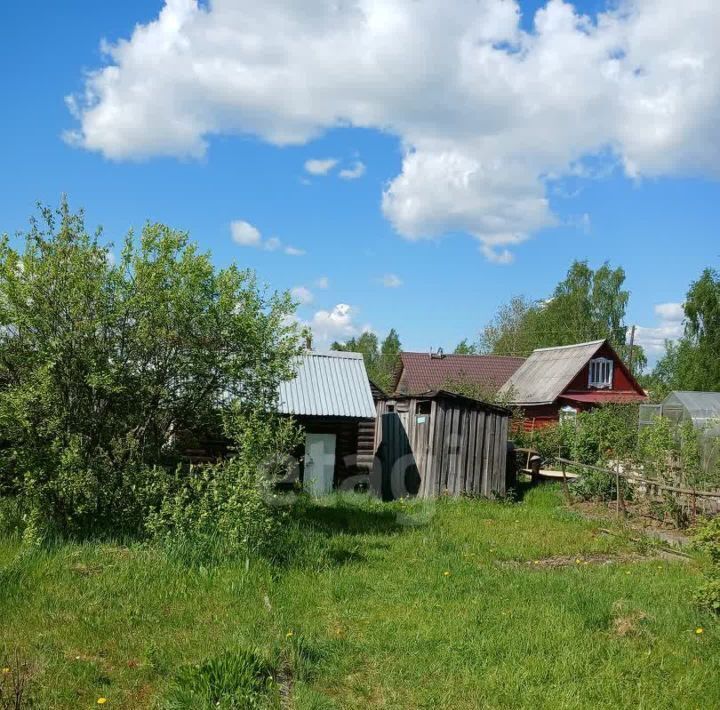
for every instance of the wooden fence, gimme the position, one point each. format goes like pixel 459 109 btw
pixel 651 486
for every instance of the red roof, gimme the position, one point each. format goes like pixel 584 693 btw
pixel 419 372
pixel 601 397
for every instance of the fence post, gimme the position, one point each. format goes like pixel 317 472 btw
pixel 565 485
pixel 620 504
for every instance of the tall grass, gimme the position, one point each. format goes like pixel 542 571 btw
pixel 406 605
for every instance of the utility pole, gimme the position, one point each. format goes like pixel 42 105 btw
pixel 632 352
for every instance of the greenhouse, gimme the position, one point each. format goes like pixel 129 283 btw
pixel 700 408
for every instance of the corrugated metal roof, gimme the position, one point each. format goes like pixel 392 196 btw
pixel 700 406
pixel 547 372
pixel 333 384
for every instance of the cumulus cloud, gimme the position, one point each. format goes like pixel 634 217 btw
pixel 320 167
pixel 391 281
pixel 488 113
pixel 302 295
pixel 245 234
pixel 357 171
pixel 248 235
pixel 669 327
pixel 336 324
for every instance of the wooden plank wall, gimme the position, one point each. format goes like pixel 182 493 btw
pixel 458 450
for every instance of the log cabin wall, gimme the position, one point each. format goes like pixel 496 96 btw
pixel 351 459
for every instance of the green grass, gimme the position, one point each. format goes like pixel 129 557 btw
pixel 436 605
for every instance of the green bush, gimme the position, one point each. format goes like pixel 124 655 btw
pixel 549 441
pixel 594 485
pixel 707 539
pixel 103 363
pixel 214 511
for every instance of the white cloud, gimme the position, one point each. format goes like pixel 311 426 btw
pixel 337 324
pixel 323 282
pixel 669 327
pixel 273 244
pixel 302 295
pixel 487 113
pixel 245 234
pixel 670 311
pixel 357 171
pixel 391 281
pixel 294 251
pixel 320 167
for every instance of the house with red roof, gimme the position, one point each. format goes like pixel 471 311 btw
pixel 549 384
pixel 565 380
pixel 424 372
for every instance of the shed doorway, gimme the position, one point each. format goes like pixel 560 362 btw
pixel 319 463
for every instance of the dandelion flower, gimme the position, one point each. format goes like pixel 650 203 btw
pixel 577 560
pixel 101 701
pixel 6 670
pixel 288 634
pixel 446 573
pixel 699 630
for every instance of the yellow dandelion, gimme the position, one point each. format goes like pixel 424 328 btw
pixel 288 634
pixel 577 560
pixel 101 701
pixel 446 573
pixel 6 670
pixel 536 562
pixel 699 630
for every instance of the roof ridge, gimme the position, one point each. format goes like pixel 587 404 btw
pixel 332 353
pixel 573 345
pixel 427 354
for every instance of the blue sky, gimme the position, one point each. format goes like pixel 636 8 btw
pixel 426 259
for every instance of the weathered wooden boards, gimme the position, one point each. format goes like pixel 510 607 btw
pixel 454 445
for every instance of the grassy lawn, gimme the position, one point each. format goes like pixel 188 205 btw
pixel 444 605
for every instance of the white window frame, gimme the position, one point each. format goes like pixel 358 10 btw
pixel 600 373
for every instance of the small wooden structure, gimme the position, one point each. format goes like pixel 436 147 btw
pixel 531 464
pixel 439 443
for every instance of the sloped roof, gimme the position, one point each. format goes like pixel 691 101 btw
pixel 548 371
pixel 421 372
pixel 332 384
pixel 701 406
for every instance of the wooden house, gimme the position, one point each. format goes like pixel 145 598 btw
pixel 330 397
pixel 562 381
pixel 439 443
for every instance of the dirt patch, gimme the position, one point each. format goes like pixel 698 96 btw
pixel 626 621
pixel 578 561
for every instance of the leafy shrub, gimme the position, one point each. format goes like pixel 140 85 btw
pixel 235 680
pixel 228 508
pixel 707 539
pixel 708 595
pixel 102 363
pixel 549 441
pixel 594 485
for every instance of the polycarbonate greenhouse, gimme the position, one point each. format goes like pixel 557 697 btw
pixel 700 408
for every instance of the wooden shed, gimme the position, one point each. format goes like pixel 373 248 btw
pixel 439 443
